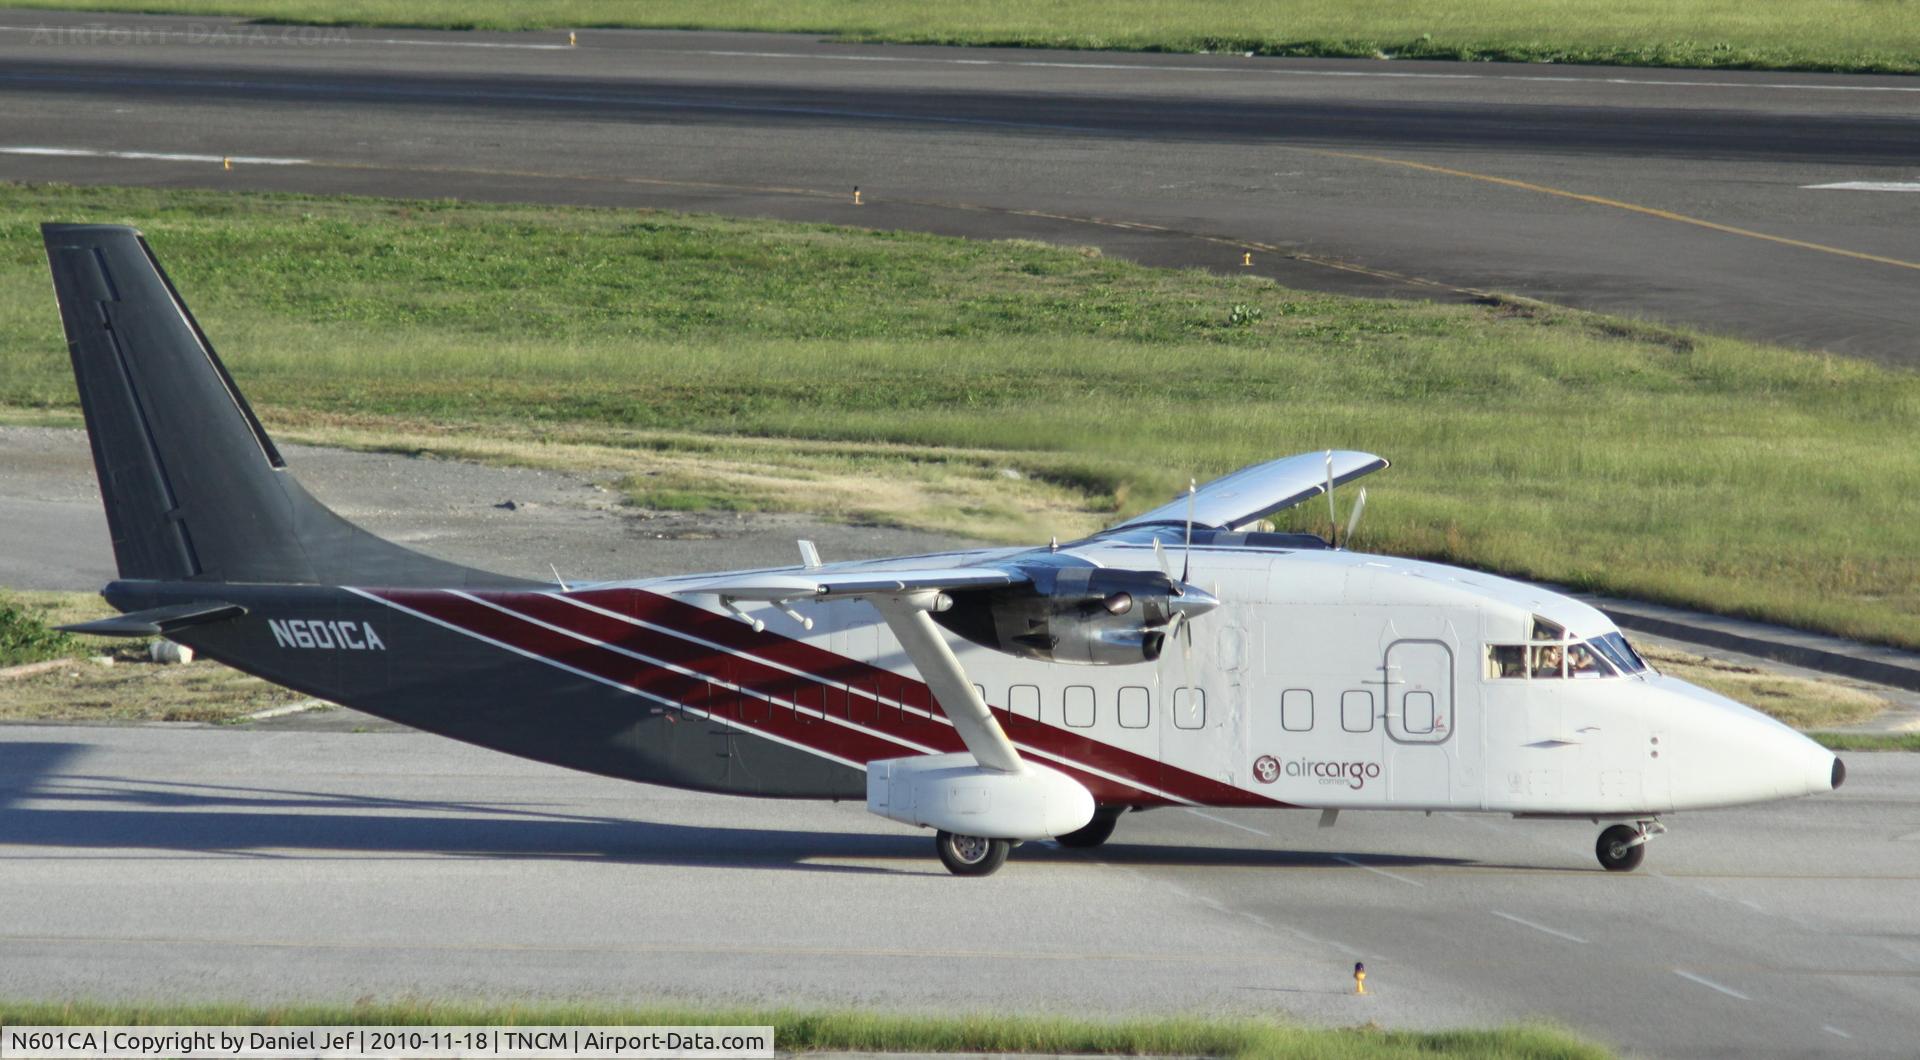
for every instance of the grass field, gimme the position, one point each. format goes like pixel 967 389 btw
pixel 1868 741
pixel 899 377
pixel 1853 35
pixel 802 1031
pixel 1802 702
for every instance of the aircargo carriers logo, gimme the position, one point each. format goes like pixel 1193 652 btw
pixel 319 633
pixel 1355 775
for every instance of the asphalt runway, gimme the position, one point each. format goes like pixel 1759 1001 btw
pixel 273 864
pixel 1685 196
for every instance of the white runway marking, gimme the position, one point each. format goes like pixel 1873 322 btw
pixel 1538 927
pixel 1835 1031
pixel 1711 985
pixel 1865 185
pixel 153 156
pixel 1230 824
pixel 1377 872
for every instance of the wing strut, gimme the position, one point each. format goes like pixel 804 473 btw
pixel 912 624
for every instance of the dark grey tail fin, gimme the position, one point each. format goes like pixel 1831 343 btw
pixel 194 488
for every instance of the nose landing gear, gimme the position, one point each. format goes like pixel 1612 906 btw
pixel 1623 847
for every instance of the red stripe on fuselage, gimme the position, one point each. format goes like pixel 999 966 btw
pixel 685 618
pixel 878 709
pixel 846 689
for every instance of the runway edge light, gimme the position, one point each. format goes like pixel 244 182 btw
pixel 1359 977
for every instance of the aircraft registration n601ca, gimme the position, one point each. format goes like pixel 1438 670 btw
pixel 1184 657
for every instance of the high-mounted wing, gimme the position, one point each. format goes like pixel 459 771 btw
pixel 782 586
pixel 1252 493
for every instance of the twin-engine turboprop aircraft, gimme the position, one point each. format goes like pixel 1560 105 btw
pixel 995 696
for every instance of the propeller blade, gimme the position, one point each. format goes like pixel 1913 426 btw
pixel 1359 505
pixel 1333 516
pixel 1186 561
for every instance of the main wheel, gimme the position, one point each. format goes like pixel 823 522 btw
pixel 1091 834
pixel 1614 852
pixel 971 855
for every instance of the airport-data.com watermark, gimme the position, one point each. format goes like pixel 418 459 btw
pixel 205 34
pixel 386 1043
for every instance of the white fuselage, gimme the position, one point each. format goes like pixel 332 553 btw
pixel 1333 679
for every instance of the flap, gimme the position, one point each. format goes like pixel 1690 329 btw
pixel 1253 493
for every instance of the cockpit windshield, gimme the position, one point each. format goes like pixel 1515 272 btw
pixel 1554 656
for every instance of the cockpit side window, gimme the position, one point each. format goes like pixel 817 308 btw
pixel 1506 660
pixel 1547 661
pixel 1584 661
pixel 1561 658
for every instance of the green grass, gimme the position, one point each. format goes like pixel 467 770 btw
pixel 25 638
pixel 1850 35
pixel 803 1031
pixel 875 371
pixel 1868 741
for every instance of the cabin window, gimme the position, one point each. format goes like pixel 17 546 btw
pixel 1296 710
pixel 1356 711
pixel 1189 708
pixel 1078 702
pixel 1136 707
pixel 1024 700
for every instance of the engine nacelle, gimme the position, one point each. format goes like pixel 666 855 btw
pixel 1084 615
pixel 953 793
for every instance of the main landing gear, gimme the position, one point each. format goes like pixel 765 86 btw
pixel 1091 834
pixel 1623 847
pixel 971 855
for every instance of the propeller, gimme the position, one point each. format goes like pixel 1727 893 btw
pixel 1333 516
pixel 1186 561
pixel 1333 512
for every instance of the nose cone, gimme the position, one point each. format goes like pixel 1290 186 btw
pixel 1724 753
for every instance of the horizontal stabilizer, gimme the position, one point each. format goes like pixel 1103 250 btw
pixel 158 621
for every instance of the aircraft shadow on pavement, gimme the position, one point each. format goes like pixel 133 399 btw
pixel 44 807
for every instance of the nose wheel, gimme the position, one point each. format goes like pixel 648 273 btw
pixel 971 855
pixel 1623 847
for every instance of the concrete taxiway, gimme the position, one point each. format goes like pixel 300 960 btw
pixel 1701 197
pixel 271 864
